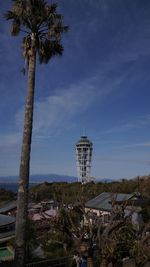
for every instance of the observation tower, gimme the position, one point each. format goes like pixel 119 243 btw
pixel 84 149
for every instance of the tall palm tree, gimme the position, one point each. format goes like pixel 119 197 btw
pixel 42 28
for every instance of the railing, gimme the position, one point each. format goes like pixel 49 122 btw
pixel 61 262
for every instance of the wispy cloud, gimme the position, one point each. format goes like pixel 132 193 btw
pixel 123 160
pixel 134 145
pixel 138 123
pixel 57 111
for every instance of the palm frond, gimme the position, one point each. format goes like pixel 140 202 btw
pixel 48 49
pixel 9 15
pixel 15 28
pixel 41 20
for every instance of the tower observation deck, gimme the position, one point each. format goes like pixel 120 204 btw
pixel 84 149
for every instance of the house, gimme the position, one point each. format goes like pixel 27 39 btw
pixel 102 206
pixel 7 228
pixel 42 214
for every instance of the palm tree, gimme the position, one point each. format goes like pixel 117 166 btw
pixel 42 28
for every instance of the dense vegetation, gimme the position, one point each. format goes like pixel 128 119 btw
pixel 66 237
pixel 69 236
pixel 6 195
pixel 79 193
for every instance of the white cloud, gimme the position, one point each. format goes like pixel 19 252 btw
pixel 56 112
pixel 140 122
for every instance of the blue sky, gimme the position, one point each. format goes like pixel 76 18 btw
pixel 102 84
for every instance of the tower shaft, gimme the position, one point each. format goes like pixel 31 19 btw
pixel 83 159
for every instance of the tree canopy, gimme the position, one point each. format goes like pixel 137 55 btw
pixel 40 21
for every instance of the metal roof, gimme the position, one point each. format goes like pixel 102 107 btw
pixel 6 220
pixel 9 206
pixel 104 200
pixel 5 236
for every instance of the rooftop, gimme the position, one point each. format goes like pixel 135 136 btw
pixel 84 140
pixel 5 236
pixel 6 220
pixel 8 206
pixel 105 199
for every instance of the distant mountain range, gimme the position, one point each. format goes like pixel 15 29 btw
pixel 40 178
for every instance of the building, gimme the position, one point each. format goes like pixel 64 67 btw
pixel 7 228
pixel 43 214
pixel 102 206
pixel 10 208
pixel 84 148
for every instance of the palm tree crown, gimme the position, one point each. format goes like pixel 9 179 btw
pixel 43 27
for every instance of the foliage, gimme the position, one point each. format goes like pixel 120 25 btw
pixel 41 23
pixel 146 210
pixel 117 245
pixel 141 246
pixel 6 195
pixel 78 194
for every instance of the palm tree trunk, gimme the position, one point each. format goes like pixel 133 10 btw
pixel 22 201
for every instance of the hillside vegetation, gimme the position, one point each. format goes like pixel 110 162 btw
pixel 6 195
pixel 77 193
